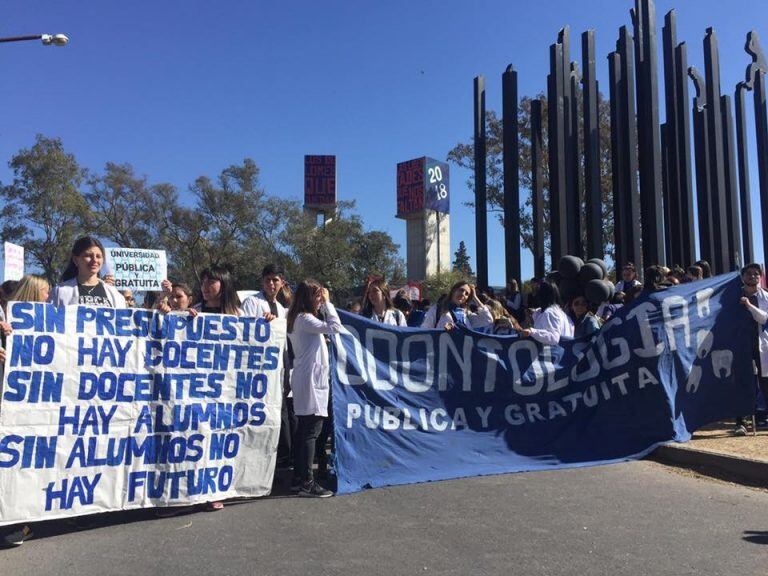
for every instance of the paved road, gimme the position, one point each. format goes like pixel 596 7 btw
pixel 636 518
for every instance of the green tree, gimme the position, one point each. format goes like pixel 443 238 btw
pixel 341 254
pixel 463 155
pixel 461 260
pixel 43 207
pixel 118 203
pixel 233 222
pixel 440 283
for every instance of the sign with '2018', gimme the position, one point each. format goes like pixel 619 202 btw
pixel 422 184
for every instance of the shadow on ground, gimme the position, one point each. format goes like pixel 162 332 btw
pixel 756 536
pixel 50 528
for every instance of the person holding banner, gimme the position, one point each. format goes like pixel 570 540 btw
pixel 265 304
pixel 80 282
pixel 455 310
pixel 217 296
pixel 30 288
pixel 551 323
pixel 310 377
pixel 755 300
pixel 378 306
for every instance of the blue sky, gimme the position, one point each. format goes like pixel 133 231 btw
pixel 180 89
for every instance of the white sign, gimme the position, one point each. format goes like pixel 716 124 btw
pixel 136 269
pixel 14 262
pixel 113 409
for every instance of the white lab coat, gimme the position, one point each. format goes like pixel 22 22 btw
pixel 760 314
pixel 311 368
pixel 392 317
pixel 480 319
pixel 256 306
pixel 67 293
pixel 551 324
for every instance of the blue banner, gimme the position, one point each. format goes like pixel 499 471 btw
pixel 415 405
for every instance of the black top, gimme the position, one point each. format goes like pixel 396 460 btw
pixel 93 295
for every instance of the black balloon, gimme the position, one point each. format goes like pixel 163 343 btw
pixel 569 289
pixel 601 264
pixel 569 266
pixel 590 271
pixel 598 291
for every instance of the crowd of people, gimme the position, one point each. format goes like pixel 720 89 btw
pixel 306 428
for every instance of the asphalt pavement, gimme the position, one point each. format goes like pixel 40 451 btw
pixel 634 518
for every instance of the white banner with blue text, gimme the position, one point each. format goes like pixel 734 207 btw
pixel 106 409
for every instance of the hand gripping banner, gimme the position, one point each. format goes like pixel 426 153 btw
pixel 415 405
pixel 106 409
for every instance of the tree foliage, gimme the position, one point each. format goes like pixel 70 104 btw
pixel 463 155
pixel 440 283
pixel 461 260
pixel 227 220
pixel 43 207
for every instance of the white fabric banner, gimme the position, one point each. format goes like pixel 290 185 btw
pixel 14 262
pixel 137 269
pixel 105 409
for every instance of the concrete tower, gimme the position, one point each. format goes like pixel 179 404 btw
pixel 423 202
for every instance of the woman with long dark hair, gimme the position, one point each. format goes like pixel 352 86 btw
pixel 310 377
pixel 456 309
pixel 80 282
pixel 217 292
pixel 217 296
pixel 551 323
pixel 377 305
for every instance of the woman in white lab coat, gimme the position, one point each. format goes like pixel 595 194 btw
pixel 310 317
pixel 455 309
pixel 377 305
pixel 551 323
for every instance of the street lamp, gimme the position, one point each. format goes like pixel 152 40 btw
pixel 47 39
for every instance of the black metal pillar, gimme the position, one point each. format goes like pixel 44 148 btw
pixel 619 219
pixel 735 260
pixel 761 132
pixel 556 135
pixel 628 168
pixel 701 140
pixel 481 216
pixel 665 184
pixel 685 173
pixel 574 188
pixel 673 228
pixel 570 158
pixel 721 248
pixel 593 196
pixel 745 202
pixel 511 174
pixel 648 132
pixel 537 188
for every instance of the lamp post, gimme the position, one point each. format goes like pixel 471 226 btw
pixel 46 39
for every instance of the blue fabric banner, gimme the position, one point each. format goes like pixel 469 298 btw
pixel 414 405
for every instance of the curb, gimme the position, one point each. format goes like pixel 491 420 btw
pixel 738 470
